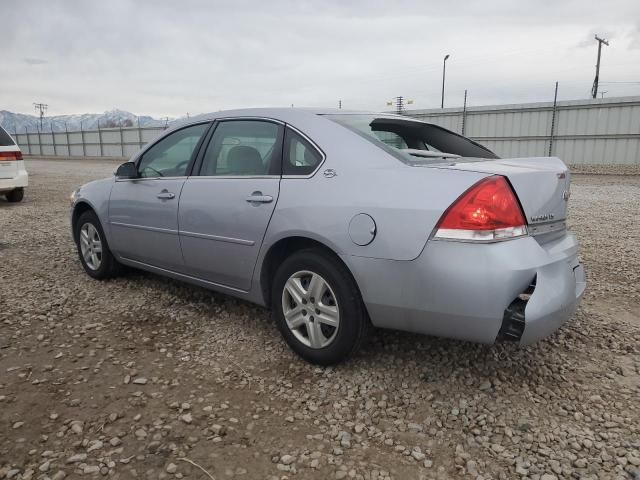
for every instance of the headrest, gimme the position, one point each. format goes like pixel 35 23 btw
pixel 245 160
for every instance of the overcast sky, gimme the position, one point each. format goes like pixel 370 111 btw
pixel 173 57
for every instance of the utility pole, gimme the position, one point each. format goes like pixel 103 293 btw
pixel 464 112
pixel 553 119
pixel 444 69
pixel 400 104
pixel 40 107
pixel 594 90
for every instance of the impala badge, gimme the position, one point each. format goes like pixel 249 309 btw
pixel 542 218
pixel 329 173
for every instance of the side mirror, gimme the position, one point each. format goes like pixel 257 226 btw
pixel 127 170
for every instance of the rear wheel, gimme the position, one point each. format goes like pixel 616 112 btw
pixel 15 195
pixel 318 308
pixel 93 250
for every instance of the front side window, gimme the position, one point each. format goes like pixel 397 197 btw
pixel 301 158
pixel 170 157
pixel 243 148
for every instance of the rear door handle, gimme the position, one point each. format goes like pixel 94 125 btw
pixel 164 195
pixel 257 197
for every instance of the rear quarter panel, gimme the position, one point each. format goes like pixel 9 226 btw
pixel 405 202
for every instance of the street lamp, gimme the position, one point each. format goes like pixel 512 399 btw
pixel 444 69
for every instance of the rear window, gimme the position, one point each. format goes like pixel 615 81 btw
pixel 5 139
pixel 412 141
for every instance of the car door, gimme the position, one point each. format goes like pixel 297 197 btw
pixel 225 209
pixel 143 212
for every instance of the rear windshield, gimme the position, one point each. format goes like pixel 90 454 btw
pixel 5 139
pixel 412 141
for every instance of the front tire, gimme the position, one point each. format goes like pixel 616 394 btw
pixel 93 249
pixel 318 308
pixel 16 195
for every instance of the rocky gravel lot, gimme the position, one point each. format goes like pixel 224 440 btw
pixel 143 377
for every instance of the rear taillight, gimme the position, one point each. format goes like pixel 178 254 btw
pixel 10 156
pixel 487 212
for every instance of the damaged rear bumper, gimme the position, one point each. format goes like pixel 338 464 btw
pixel 558 289
pixel 519 290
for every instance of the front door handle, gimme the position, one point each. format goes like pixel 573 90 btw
pixel 257 197
pixel 164 195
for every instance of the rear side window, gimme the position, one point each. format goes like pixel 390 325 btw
pixel 241 148
pixel 5 139
pixel 301 158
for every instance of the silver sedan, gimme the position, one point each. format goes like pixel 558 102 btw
pixel 341 221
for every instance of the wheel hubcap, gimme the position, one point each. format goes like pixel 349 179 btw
pixel 91 246
pixel 310 309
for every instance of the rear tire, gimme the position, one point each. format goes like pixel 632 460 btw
pixel 16 195
pixel 318 308
pixel 93 249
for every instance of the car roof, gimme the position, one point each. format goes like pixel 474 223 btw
pixel 287 115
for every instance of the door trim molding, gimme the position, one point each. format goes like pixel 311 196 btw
pixel 145 227
pixel 219 238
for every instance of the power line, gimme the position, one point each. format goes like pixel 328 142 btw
pixel 594 90
pixel 622 83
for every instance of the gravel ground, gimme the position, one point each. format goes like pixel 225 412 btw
pixel 143 377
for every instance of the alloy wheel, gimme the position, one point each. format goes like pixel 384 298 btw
pixel 310 309
pixel 91 246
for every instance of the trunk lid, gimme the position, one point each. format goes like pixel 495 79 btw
pixel 540 183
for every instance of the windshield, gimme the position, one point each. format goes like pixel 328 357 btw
pixel 412 141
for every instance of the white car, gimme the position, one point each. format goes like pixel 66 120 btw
pixel 13 174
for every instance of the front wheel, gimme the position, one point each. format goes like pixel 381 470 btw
pixel 16 195
pixel 93 250
pixel 318 308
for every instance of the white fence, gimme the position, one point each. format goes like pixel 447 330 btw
pixel 602 131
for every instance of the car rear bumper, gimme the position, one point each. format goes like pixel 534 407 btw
pixel 465 290
pixel 18 181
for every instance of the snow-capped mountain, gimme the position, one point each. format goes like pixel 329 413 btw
pixel 20 122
